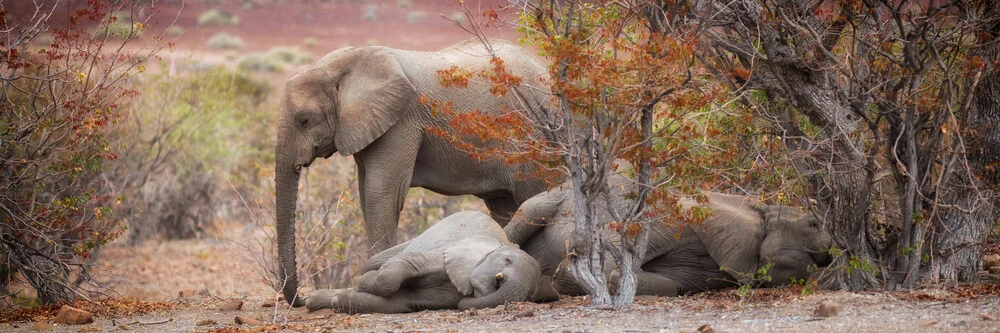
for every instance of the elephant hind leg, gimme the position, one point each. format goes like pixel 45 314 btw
pixel 441 296
pixel 352 302
pixel 654 284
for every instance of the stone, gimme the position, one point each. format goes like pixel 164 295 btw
pixel 73 316
pixel 988 317
pixel 41 326
pixel 705 329
pixel 827 309
pixel 991 263
pixel 232 305
pixel 205 322
pixel 525 314
pixel 246 321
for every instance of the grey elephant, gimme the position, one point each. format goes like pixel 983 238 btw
pixel 365 102
pixel 463 261
pixel 741 236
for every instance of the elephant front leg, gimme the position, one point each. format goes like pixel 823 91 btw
pixel 353 301
pixel 323 299
pixel 383 180
pixel 390 277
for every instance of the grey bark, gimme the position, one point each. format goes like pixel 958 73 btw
pixel 958 234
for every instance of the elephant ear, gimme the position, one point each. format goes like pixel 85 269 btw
pixel 372 94
pixel 460 260
pixel 732 235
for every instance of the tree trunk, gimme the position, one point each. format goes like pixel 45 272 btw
pixel 586 260
pixel 958 236
pixel 848 207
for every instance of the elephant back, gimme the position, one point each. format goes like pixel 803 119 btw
pixel 459 228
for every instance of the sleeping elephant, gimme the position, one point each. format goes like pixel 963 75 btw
pixel 741 236
pixel 464 261
pixel 365 102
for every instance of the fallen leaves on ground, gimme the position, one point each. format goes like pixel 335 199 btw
pixel 108 308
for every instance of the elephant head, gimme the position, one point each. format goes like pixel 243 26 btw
pixel 341 104
pixel 506 274
pixel 748 235
pixel 795 242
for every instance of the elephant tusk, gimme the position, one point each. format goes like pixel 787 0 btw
pixel 499 276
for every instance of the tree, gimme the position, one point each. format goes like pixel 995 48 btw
pixel 875 92
pixel 60 103
pixel 622 88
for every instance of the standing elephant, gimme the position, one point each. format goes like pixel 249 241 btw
pixel 464 261
pixel 740 237
pixel 364 102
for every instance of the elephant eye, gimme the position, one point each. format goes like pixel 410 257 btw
pixel 304 122
pixel 499 276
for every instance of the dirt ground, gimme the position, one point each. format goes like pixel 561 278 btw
pixel 226 271
pixel 223 270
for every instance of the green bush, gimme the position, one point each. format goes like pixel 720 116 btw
pixel 416 17
pixel 175 31
pixel 309 42
pixel 275 59
pixel 370 13
pixel 224 41
pixel 118 25
pixel 290 55
pixel 189 140
pixel 259 62
pixel 217 17
pixel 458 17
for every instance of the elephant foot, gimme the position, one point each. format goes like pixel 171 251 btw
pixel 322 299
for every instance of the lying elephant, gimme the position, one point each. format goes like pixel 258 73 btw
pixel 740 237
pixel 463 261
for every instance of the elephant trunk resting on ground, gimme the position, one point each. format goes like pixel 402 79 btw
pixel 464 261
pixel 740 236
pixel 364 102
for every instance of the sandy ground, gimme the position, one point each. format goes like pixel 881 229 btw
pixel 159 271
pixel 919 311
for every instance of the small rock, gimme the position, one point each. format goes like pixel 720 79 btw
pixel 705 329
pixel 41 326
pixel 991 261
pixel 988 317
pixel 246 321
pixel 267 305
pixel 827 309
pixel 232 305
pixel 471 312
pixel 205 322
pixel 186 293
pixel 525 314
pixel 928 323
pixel 73 316
pixel 124 327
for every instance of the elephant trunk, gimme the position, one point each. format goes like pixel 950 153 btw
pixel 286 181
pixel 514 289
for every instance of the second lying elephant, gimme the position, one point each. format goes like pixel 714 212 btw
pixel 740 237
pixel 463 261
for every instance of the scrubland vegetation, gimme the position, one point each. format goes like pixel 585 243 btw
pixel 879 118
